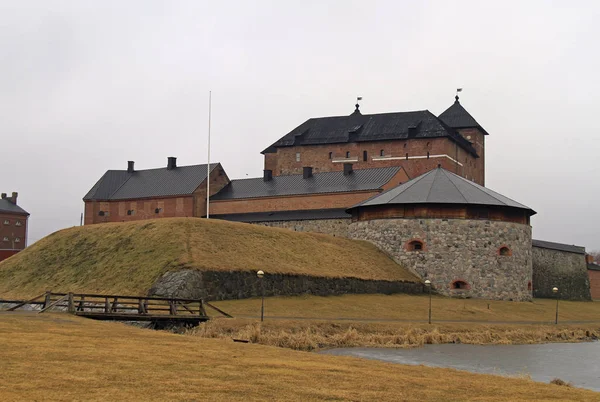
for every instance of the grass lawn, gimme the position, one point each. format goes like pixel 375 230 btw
pixel 61 357
pixel 127 258
pixel 413 308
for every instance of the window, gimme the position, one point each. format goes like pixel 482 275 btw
pixel 18 223
pixel 331 155
pixel 5 238
pixel 365 156
pixel 427 154
pixel 17 240
pixel 347 154
pixel 429 145
pixel 297 156
pixel 415 245
pixel 382 153
pixel 131 212
pixel 529 285
pixel 406 156
pixel 101 213
pixel 460 285
pixel 6 222
pixel 405 145
pixel 504 251
pixel 158 210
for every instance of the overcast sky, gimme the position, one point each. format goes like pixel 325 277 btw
pixel 88 85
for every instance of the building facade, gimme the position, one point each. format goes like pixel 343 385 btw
pixel 13 226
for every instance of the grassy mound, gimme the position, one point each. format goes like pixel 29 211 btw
pixel 127 258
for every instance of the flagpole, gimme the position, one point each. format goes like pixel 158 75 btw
pixel 208 164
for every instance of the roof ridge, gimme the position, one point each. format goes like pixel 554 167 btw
pixel 455 186
pixel 408 185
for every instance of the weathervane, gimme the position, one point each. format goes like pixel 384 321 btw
pixel 358 98
pixel 457 91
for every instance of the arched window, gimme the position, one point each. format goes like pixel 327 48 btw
pixel 331 155
pixel 415 245
pixel 504 251
pixel 365 156
pixel 529 285
pixel 347 154
pixel 460 285
pixel 382 153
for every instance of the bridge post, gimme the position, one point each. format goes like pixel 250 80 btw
pixel 71 304
pixel 106 305
pixel 47 299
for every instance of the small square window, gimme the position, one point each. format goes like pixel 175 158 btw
pixel 17 240
pixel 18 223
pixel 297 156
pixel 6 222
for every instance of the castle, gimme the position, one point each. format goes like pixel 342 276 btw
pixel 409 182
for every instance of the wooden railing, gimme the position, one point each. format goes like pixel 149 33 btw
pixel 97 306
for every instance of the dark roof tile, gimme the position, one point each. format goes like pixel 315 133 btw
pixel 275 216
pixel 456 117
pixel 8 207
pixel 570 248
pixel 325 182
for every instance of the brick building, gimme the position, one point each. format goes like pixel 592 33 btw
pixel 171 191
pixel 416 141
pixel 593 270
pixel 13 226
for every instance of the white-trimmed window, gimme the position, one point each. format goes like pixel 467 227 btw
pixel 6 222
pixel 297 156
pixel 17 240
pixel 5 238
pixel 18 223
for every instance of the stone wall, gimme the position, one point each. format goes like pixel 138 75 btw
pixel 221 285
pixel 458 250
pixel 334 227
pixel 567 271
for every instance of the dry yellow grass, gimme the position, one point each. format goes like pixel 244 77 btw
pixel 413 307
pixel 60 357
pixel 126 258
pixel 309 335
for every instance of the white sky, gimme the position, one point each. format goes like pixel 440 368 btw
pixel 88 85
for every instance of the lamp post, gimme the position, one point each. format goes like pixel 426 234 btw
pixel 555 291
pixel 428 284
pixel 260 275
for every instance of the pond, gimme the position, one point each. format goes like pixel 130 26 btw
pixel 578 363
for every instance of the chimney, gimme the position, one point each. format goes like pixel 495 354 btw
pixel 171 162
pixel 589 258
pixel 13 198
pixel 3 196
pixel 307 172
pixel 347 169
pixel 267 175
pixel 130 166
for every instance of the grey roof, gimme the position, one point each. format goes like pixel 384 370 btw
pixel 370 127
pixel 275 216
pixel 439 186
pixel 593 267
pixel 570 248
pixel 325 182
pixel 457 117
pixel 8 207
pixel 161 182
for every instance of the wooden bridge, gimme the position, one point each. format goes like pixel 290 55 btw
pixel 123 308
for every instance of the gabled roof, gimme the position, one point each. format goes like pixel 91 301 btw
pixel 570 248
pixel 274 216
pixel 8 207
pixel 161 182
pixel 439 186
pixel 325 182
pixel 370 127
pixel 593 267
pixel 457 117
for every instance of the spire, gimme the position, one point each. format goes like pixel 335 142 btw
pixel 357 106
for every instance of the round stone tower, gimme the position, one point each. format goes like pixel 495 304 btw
pixel 467 240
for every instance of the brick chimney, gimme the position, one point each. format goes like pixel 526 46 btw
pixel 347 169
pixel 307 172
pixel 171 163
pixel 267 175
pixel 3 196
pixel 589 258
pixel 130 166
pixel 13 198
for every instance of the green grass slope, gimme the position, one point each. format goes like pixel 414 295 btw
pixel 127 258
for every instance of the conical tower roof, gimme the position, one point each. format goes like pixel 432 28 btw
pixel 456 116
pixel 439 186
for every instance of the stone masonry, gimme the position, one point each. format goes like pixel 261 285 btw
pixel 567 271
pixel 458 250
pixel 333 227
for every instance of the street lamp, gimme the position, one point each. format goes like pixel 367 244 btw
pixel 555 291
pixel 260 275
pixel 428 284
